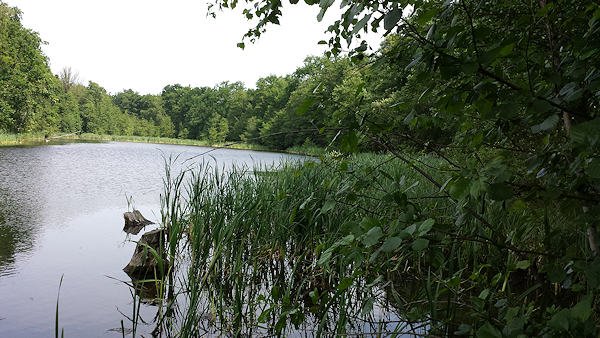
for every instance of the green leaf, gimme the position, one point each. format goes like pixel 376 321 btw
pixel 410 229
pixel 488 331
pixel 436 257
pixel 469 68
pixel 582 311
pixel 346 240
pixel 556 274
pixel 592 273
pixel 560 321
pixel 478 187
pixel 548 124
pixel 593 169
pixel 359 25
pixel 420 244
pixel 523 264
pixel 477 139
pixel 571 91
pixel 391 18
pixel 372 237
pixel 351 227
pixel 506 110
pixel 325 257
pixel 409 118
pixel 426 226
pixel 453 282
pixel 304 107
pixel 401 105
pixel 586 133
pixel 426 16
pixel 519 205
pixel 369 222
pixel 349 142
pixel 463 329
pixel 359 89
pixel 500 192
pixel 367 306
pixel 541 106
pixel 328 206
pixel 460 188
pixel 507 49
pixel 345 283
pixel 391 244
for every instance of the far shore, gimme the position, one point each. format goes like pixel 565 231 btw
pixel 15 139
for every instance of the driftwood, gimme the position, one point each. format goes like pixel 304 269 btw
pixel 49 138
pixel 134 222
pixel 144 264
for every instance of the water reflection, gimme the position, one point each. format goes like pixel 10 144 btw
pixel 61 212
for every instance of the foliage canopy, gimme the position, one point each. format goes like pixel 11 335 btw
pixel 515 85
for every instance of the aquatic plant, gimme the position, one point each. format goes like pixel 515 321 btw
pixel 351 245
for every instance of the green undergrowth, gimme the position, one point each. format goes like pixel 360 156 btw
pixel 364 244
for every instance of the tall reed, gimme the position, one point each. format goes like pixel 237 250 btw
pixel 341 246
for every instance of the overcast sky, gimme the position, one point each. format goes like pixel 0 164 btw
pixel 145 45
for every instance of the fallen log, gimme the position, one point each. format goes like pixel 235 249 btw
pixel 134 222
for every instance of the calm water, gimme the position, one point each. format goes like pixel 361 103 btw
pixel 61 214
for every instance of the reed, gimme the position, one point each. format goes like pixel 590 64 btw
pixel 347 245
pixel 12 139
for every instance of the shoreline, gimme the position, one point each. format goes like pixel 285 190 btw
pixel 15 139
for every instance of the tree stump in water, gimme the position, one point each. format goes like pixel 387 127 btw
pixel 134 222
pixel 144 264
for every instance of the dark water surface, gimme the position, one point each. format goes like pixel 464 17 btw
pixel 61 213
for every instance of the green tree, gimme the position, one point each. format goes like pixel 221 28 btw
pixel 27 87
pixel 515 87
pixel 69 78
pixel 172 99
pixel 147 113
pixel 99 114
pixel 68 110
pixel 218 129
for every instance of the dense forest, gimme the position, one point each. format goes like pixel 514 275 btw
pixel 35 100
pixel 489 108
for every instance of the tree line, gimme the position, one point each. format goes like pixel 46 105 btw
pixel 32 99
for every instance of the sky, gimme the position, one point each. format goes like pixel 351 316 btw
pixel 145 45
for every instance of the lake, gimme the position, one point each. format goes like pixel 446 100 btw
pixel 61 217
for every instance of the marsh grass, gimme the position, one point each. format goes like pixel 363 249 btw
pixel 12 139
pixel 298 249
